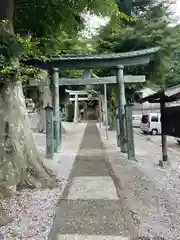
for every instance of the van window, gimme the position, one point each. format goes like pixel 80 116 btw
pixel 144 119
pixel 154 119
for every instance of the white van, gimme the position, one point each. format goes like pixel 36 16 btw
pixel 151 123
pixel 136 120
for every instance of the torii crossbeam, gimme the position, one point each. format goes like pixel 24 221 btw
pixel 91 81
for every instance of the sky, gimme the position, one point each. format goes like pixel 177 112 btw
pixel 176 8
pixel 94 22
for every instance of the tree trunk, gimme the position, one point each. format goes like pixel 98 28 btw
pixel 44 99
pixel 20 164
pixel 20 161
pixel 41 96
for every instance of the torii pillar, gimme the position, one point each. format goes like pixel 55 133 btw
pixel 76 109
pixel 121 108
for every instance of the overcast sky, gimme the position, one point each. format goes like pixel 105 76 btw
pixel 176 9
pixel 94 22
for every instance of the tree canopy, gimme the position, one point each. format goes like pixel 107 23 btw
pixel 46 28
pixel 149 30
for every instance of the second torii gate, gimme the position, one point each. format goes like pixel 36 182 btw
pixel 76 99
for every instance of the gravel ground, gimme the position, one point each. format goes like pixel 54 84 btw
pixel 32 214
pixel 151 192
pixel 171 141
pixel 32 211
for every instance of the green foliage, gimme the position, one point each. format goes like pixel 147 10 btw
pixel 45 17
pixel 11 48
pixel 44 29
pixel 151 29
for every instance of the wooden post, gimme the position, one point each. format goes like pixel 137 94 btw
pixel 163 136
pixel 56 111
pixel 121 109
pixel 130 135
pixel 49 132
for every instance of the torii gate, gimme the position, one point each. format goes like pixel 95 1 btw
pixel 73 62
pixel 76 99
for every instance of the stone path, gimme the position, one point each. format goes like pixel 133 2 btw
pixel 90 208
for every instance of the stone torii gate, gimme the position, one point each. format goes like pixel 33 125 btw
pixel 76 99
pixel 72 62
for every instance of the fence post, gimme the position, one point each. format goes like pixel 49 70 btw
pixel 163 136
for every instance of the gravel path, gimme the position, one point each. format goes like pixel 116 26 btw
pixel 152 193
pixel 32 211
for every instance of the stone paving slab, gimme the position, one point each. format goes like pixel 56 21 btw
pixel 98 187
pixel 90 217
pixel 90 167
pixel 93 237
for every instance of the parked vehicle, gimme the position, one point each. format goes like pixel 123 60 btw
pixel 151 123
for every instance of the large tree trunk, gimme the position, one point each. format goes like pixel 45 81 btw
pixel 44 99
pixel 41 97
pixel 20 164
pixel 20 161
